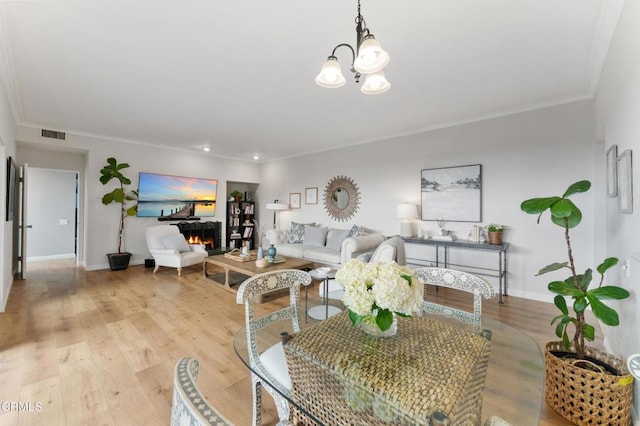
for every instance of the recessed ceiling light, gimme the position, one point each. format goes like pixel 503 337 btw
pixel 206 149
pixel 255 157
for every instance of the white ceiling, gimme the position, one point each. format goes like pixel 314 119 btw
pixel 239 75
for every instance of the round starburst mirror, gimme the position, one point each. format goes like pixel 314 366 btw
pixel 341 198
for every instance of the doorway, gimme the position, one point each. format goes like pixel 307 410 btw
pixel 52 214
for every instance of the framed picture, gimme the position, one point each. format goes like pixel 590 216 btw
pixel 625 182
pixel 311 195
pixel 612 171
pixel 294 200
pixel 10 202
pixel 453 194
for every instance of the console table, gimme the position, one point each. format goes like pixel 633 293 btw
pixel 501 249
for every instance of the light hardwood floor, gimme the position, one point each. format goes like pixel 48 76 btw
pixel 98 348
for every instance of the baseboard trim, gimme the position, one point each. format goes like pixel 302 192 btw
pixel 51 257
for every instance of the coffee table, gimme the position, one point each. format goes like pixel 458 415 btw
pixel 248 268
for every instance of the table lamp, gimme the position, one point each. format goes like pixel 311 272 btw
pixel 276 207
pixel 407 212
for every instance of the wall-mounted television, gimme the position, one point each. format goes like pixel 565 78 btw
pixel 176 197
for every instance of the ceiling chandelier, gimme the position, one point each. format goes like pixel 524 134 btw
pixel 368 58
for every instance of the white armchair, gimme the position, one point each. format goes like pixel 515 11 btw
pixel 169 248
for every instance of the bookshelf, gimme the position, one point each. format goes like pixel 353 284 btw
pixel 240 225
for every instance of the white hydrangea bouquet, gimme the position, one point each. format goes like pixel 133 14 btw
pixel 374 292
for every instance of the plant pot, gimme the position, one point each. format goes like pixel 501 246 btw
pixel 582 395
pixel 495 238
pixel 119 261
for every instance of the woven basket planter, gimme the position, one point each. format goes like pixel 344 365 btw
pixel 586 397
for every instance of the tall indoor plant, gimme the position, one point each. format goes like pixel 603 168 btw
pixel 119 195
pixel 565 380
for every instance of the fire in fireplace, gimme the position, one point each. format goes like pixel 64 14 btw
pixel 207 233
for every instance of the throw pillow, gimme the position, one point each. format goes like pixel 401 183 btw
pixel 315 236
pixel 356 231
pixel 335 237
pixel 296 233
pixel 175 242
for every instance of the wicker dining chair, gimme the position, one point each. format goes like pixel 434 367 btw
pixel 458 280
pixel 189 406
pixel 271 363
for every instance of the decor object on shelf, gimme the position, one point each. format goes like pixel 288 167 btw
pixel 376 291
pixel 276 206
pixel 119 195
pixel 575 389
pixel 407 212
pixel 341 198
pixel 494 233
pixel 367 58
pixel 236 195
pixel 452 193
pixel 625 182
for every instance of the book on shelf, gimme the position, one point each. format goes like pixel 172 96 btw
pixel 248 231
pixel 249 209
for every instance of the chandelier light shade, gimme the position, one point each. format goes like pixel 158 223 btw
pixel 371 58
pixel 375 84
pixel 331 74
pixel 368 59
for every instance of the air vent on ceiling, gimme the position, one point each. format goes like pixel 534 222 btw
pixel 52 134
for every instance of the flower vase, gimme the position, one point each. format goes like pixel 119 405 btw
pixel 260 254
pixel 370 327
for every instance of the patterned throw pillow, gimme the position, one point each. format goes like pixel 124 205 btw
pixel 356 231
pixel 296 233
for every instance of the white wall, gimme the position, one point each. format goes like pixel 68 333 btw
pixel 618 109
pixel 101 222
pixel 527 155
pixel 7 142
pixel 51 214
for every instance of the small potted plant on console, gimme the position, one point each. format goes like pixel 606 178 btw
pixel 120 196
pixel 494 233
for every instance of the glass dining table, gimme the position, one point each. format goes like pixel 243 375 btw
pixel 512 388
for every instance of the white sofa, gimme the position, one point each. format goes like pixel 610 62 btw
pixel 327 246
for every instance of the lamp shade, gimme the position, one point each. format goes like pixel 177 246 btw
pixel 375 84
pixel 331 75
pixel 371 58
pixel 277 206
pixel 407 211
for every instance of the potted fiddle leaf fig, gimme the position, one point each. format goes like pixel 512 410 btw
pixel 583 384
pixel 112 171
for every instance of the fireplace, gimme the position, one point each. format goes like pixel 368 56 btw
pixel 207 233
